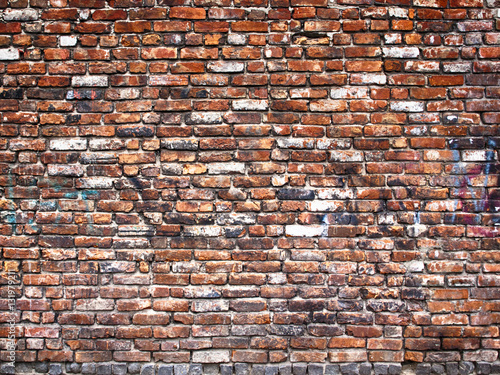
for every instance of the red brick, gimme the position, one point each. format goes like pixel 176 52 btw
pixel 187 13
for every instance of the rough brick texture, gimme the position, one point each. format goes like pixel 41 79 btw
pixel 276 186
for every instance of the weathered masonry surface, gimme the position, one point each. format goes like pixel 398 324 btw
pixel 250 186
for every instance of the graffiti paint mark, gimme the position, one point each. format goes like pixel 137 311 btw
pixel 477 201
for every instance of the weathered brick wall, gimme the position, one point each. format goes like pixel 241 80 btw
pixel 259 183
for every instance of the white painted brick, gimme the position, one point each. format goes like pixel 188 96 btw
pixel 276 278
pixel 335 194
pixel 346 156
pixel 89 81
pixel 398 12
pixel 20 15
pixel 416 131
pixel 106 144
pixel 457 67
pixel 325 206
pixel 401 52
pixel 237 39
pixel 223 168
pixel 68 144
pixel 478 155
pixel 225 67
pixel 422 66
pixel 203 231
pixel 407 106
pixel 393 38
pixel 295 143
pixel 386 219
pixel 95 183
pixel 68 40
pixel 235 218
pixel 305 230
pixel 250 105
pixel 452 205
pixel 204 118
pixel 84 14
pixel 9 54
pixel 416 266
pixel 135 230
pixel 215 306
pixel 349 93
pixel 329 144
pixel 211 356
pixel 94 304
pixel 369 79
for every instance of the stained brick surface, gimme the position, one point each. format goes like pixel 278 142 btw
pixel 293 185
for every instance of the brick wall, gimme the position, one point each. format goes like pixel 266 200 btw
pixel 273 186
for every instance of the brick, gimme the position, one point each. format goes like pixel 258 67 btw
pixel 109 15
pixel 9 54
pixel 159 53
pixel 187 13
pixel 168 80
pixel 132 26
pixel 212 356
pixel 348 356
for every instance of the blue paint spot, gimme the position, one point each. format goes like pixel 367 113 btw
pixel 71 195
pixel 490 155
pixel 493 142
pixel 10 217
pixel 86 195
pixel 487 169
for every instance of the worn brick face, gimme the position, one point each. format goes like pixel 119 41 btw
pixel 291 186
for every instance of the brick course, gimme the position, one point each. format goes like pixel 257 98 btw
pixel 276 186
